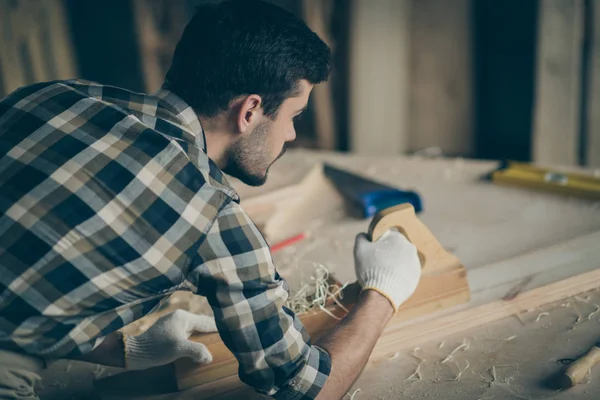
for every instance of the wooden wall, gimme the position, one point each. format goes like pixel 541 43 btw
pixel 410 76
pixel 441 76
pixel 567 107
pixel 557 118
pixel 35 43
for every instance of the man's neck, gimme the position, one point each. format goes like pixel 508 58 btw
pixel 218 139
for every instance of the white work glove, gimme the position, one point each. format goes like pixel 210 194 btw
pixel 168 340
pixel 390 266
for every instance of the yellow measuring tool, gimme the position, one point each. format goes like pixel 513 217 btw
pixel 531 176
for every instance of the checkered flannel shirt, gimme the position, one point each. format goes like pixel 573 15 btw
pixel 109 203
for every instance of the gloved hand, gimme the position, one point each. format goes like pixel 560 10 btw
pixel 391 266
pixel 168 340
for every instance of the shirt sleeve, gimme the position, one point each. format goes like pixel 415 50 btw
pixel 235 272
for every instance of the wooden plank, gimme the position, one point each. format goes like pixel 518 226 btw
pixel 532 270
pixel 441 76
pixel 558 83
pixel 379 81
pixel 317 14
pixel 592 119
pixel 490 284
pixel 399 335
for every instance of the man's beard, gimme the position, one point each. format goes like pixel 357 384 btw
pixel 248 159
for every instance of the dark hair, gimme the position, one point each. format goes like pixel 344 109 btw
pixel 241 47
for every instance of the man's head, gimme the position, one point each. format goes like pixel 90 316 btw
pixel 247 68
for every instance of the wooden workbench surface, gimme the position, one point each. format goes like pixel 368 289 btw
pixel 481 223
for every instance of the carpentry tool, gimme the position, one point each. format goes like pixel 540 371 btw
pixel 581 367
pixel 530 176
pixel 443 284
pixel 369 196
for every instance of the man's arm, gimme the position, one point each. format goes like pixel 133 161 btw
pixel 350 343
pixel 389 271
pixel 235 271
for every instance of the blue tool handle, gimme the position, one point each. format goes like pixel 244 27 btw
pixel 373 202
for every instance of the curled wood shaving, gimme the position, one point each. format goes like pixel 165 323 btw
pixel 589 317
pixel 464 345
pixel 353 394
pixel 461 371
pixel 315 294
pixel 540 315
pixel 417 374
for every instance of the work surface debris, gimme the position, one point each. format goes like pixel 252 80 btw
pixel 514 358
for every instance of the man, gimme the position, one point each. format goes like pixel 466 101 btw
pixel 112 200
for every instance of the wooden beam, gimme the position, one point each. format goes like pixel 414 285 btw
pixel 401 336
pixel 379 76
pixel 558 83
pixel 317 14
pixel 441 76
pixel 592 119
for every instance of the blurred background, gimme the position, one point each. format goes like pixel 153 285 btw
pixel 494 79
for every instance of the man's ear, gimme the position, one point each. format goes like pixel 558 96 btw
pixel 249 113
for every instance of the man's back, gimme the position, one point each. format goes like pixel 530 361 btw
pixel 106 197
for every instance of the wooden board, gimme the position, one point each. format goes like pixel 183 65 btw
pixel 558 84
pixel 379 76
pixel 443 284
pixel 592 119
pixel 400 335
pixel 441 76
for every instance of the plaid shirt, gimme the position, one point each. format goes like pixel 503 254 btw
pixel 109 203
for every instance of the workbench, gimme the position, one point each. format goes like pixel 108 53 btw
pixel 481 223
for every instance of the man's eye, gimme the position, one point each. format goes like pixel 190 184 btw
pixel 298 117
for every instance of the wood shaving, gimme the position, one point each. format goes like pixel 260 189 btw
pixel 589 317
pixel 461 371
pixel 540 315
pixel 315 294
pixel 579 317
pixel 464 346
pixel 417 374
pixel 504 340
pixel 353 394
pixel 441 345
pixel 394 356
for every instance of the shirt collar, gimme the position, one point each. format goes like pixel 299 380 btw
pixel 184 113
